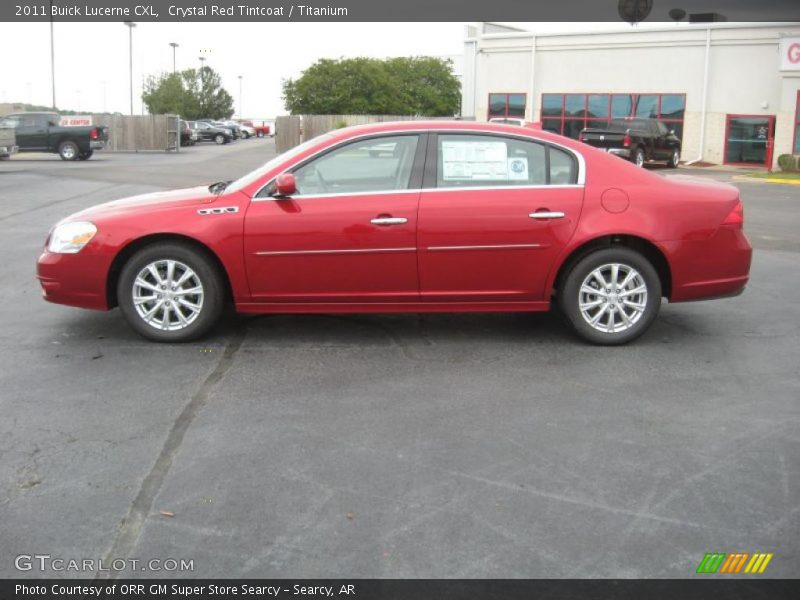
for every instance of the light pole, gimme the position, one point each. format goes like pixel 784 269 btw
pixel 52 57
pixel 202 84
pixel 130 25
pixel 241 116
pixel 174 45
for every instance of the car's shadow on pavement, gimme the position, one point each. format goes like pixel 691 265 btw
pixel 358 330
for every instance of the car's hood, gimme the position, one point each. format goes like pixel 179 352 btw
pixel 148 202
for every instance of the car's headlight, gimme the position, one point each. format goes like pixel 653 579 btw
pixel 70 238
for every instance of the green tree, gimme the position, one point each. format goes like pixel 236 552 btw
pixel 422 86
pixel 192 94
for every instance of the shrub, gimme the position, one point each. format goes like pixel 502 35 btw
pixel 787 162
pixel 340 124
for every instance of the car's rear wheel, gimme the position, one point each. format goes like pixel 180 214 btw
pixel 170 292
pixel 260 134
pixel 675 159
pixel 219 138
pixel 637 157
pixel 68 150
pixel 611 296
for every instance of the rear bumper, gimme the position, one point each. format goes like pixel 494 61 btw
pixel 73 279
pixel 97 144
pixel 623 152
pixel 717 267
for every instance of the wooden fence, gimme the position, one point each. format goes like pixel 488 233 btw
pixel 293 130
pixel 136 133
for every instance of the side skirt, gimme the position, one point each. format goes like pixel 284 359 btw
pixel 390 307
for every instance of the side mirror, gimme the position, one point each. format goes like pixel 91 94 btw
pixel 285 185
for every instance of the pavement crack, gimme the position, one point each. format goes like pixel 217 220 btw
pixel 131 527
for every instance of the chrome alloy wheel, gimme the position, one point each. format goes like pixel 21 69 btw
pixel 168 295
pixel 613 298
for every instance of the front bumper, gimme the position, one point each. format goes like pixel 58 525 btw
pixel 73 279
pixel 8 150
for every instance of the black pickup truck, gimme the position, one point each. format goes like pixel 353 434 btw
pixel 41 132
pixel 638 140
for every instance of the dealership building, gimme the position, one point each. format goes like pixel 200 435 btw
pixel 730 91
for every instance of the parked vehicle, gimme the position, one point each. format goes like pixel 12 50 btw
pixel 188 135
pixel 262 128
pixel 234 127
pixel 211 133
pixel 8 142
pixel 41 132
pixel 234 130
pixel 247 131
pixel 638 140
pixel 439 216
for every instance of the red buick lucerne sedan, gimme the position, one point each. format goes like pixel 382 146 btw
pixel 409 217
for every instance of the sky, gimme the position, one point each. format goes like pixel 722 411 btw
pixel 92 73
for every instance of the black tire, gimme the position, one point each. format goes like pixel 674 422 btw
pixel 205 270
pixel 637 158
pixel 85 155
pixel 260 134
pixel 570 294
pixel 220 139
pixel 68 150
pixel 245 135
pixel 674 159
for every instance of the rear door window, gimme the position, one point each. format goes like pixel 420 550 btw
pixel 495 161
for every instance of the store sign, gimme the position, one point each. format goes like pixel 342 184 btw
pixel 75 120
pixel 790 54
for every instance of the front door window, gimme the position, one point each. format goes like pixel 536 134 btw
pixel 748 139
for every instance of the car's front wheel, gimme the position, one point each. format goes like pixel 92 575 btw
pixel 611 296
pixel 170 292
pixel 675 159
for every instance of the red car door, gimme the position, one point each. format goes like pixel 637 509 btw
pixel 348 235
pixel 501 211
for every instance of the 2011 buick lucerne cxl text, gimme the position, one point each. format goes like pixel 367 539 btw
pixel 409 217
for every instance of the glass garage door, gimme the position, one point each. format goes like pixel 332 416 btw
pixel 748 139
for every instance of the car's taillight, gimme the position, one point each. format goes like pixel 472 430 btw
pixel 626 141
pixel 94 134
pixel 736 217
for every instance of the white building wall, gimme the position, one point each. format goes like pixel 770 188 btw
pixel 744 74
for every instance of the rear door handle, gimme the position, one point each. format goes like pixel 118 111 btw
pixel 544 215
pixel 389 221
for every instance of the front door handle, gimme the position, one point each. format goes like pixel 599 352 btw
pixel 389 221
pixel 544 215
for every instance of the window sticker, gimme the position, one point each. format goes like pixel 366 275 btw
pixel 518 168
pixel 475 161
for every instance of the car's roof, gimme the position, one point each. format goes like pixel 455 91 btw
pixel 448 125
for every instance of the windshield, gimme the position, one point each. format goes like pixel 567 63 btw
pixel 271 164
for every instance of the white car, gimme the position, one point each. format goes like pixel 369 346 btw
pixel 247 131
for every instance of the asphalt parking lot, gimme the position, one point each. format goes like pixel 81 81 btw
pixel 392 446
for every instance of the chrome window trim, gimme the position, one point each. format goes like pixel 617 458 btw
pixel 426 190
pixel 580 181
